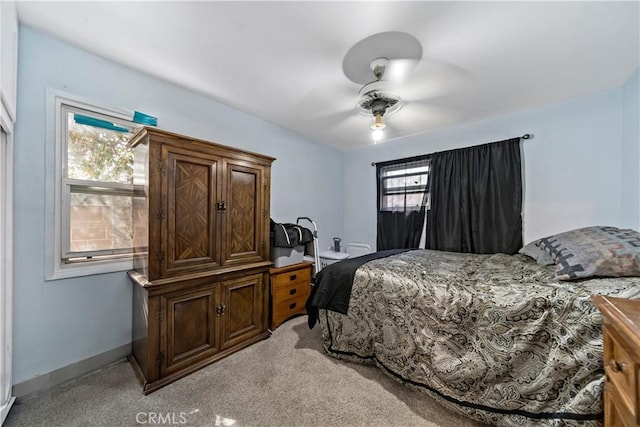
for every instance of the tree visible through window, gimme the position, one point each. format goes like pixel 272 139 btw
pixel 98 154
pixel 96 185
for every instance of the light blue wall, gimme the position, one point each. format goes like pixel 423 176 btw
pixel 631 152
pixel 571 167
pixel 61 322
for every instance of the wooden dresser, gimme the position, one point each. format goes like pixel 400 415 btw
pixel 290 287
pixel 201 253
pixel 621 338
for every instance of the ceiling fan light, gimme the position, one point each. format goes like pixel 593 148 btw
pixel 377 135
pixel 377 124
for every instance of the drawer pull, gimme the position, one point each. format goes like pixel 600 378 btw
pixel 293 277
pixel 618 366
pixel 293 291
pixel 292 305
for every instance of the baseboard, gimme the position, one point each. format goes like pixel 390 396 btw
pixel 4 409
pixel 52 379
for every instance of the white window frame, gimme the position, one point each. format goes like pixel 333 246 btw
pixel 6 262
pixel 402 172
pixel 56 199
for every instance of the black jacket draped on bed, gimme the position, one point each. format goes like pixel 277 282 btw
pixel 332 288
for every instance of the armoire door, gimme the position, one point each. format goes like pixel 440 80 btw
pixel 243 309
pixel 190 239
pixel 243 194
pixel 188 329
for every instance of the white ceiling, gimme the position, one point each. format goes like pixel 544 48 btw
pixel 282 61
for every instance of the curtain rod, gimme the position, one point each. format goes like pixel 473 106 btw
pixel 525 136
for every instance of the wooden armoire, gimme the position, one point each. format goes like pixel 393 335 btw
pixel 201 253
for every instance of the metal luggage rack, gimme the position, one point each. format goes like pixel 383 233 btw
pixel 316 250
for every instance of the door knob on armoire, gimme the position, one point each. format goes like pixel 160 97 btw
pixel 220 309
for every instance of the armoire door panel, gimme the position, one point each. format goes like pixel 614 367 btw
pixel 243 301
pixel 191 231
pixel 242 221
pixel 191 335
pixel 243 212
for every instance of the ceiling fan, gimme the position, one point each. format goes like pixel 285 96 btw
pixel 389 59
pixel 375 99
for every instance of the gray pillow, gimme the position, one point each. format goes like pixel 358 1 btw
pixel 594 252
pixel 531 250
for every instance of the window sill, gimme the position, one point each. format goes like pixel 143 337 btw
pixel 66 271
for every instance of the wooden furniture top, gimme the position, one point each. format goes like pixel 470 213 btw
pixel 292 267
pixel 625 311
pixel 143 131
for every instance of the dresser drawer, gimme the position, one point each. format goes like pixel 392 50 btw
pixel 617 413
pixel 284 280
pixel 285 309
pixel 620 368
pixel 293 290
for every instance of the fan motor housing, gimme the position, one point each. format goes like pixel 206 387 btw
pixel 379 103
pixel 373 100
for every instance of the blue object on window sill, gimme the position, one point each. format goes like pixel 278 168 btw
pixel 92 121
pixel 144 119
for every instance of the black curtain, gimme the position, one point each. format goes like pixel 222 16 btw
pixel 476 199
pixel 400 226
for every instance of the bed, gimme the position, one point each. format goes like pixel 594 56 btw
pixel 497 337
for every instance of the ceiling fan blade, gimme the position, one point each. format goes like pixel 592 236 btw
pixel 335 117
pixel 335 98
pixel 399 70
pixel 415 117
pixel 355 128
pixel 391 45
pixel 433 79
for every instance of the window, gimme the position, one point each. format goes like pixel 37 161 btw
pixel 403 197
pixel 89 188
pixel 403 186
pixel 97 185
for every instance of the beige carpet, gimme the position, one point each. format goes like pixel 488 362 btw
pixel 285 380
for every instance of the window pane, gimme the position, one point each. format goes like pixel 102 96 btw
pixel 411 181
pixel 414 200
pixel 389 202
pixel 397 202
pixel 100 222
pixel 403 171
pixel 95 153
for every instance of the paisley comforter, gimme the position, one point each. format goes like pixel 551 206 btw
pixel 494 336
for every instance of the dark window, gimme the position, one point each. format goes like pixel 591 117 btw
pixel 403 186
